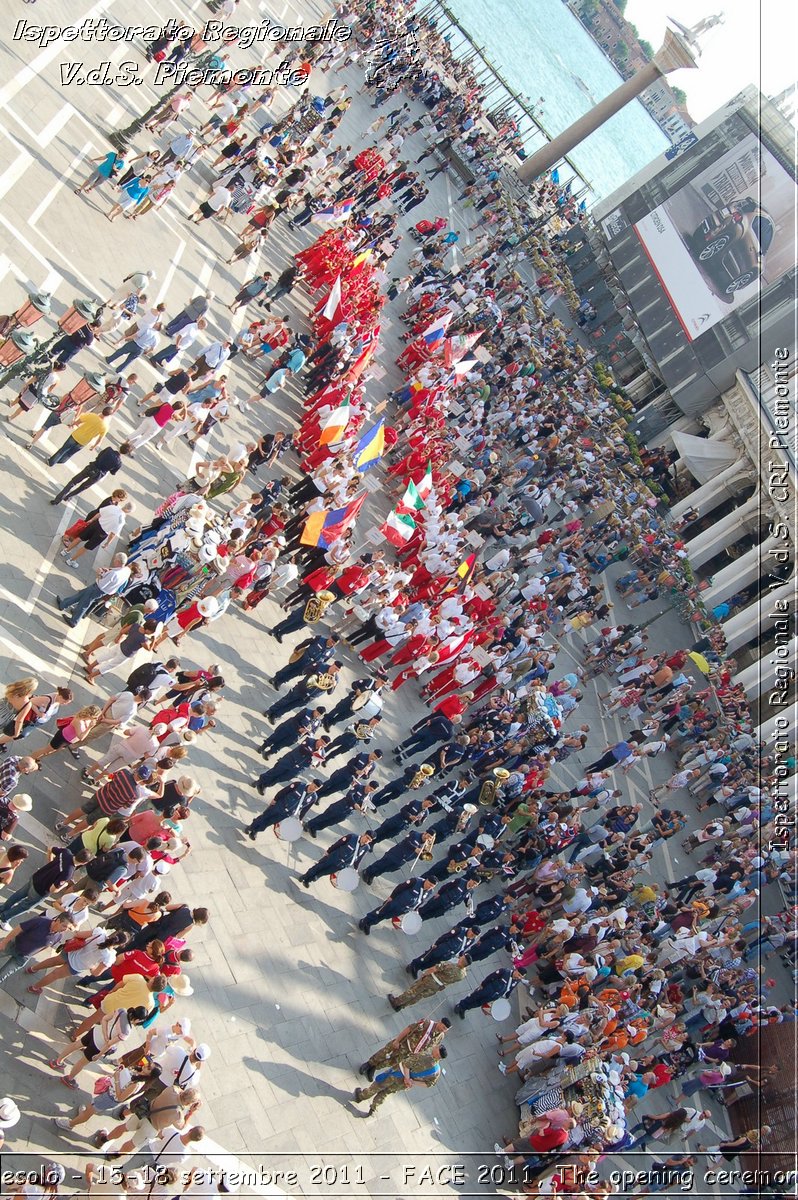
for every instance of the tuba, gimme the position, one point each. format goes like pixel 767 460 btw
pixel 490 788
pixel 317 606
pixel 421 776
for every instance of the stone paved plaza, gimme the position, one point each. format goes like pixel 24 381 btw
pixel 289 995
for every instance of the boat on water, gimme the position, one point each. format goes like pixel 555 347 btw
pixel 580 83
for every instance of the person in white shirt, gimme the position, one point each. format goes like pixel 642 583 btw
pixel 216 205
pixel 110 581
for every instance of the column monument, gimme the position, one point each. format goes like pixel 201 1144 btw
pixel 676 52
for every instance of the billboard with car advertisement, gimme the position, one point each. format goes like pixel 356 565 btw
pixel 724 235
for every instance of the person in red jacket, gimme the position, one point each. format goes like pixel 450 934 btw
pixel 454 706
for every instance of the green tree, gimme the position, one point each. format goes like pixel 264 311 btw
pixel 620 5
pixel 679 95
pixel 647 48
pixel 622 52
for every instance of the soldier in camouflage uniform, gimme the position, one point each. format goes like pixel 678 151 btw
pixel 434 980
pixel 421 1035
pixel 414 1070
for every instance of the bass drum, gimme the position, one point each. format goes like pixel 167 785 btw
pixel 346 880
pixel 289 829
pixel 411 923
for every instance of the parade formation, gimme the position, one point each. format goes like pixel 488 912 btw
pixel 441 549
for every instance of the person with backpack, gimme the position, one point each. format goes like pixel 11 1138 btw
pixel 49 880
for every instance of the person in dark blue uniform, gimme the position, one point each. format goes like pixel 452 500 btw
pixel 355 800
pixel 490 910
pixel 448 947
pixel 449 895
pixel 412 814
pixel 395 858
pixel 450 755
pixel 291 801
pixel 396 787
pixel 316 654
pixel 500 983
pixel 358 769
pixel 498 937
pixel 348 851
pixel 435 728
pixel 307 691
pixel 357 734
pixel 456 858
pixel 295 620
pixel 344 709
pixel 293 763
pixel 405 897
pixel 305 724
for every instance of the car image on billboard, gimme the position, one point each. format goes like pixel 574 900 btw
pixel 722 236
pixel 730 244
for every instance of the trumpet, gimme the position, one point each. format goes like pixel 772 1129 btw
pixel 422 774
pixel 490 788
pixel 317 606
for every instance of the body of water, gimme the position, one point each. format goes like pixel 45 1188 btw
pixel 542 50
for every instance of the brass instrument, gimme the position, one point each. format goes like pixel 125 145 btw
pixel 324 682
pixel 490 788
pixel 465 817
pixel 426 850
pixel 317 606
pixel 421 776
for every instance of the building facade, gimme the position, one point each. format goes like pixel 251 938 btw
pixel 741 543
pixel 700 248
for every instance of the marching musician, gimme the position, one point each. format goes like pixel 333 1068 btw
pixel 410 847
pixel 291 801
pixel 356 734
pixel 314 654
pixel 294 763
pixel 348 851
pixel 358 769
pixel 365 698
pixel 316 684
pixel 415 812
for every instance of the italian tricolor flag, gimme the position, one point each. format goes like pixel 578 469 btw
pixel 335 425
pixel 399 528
pixel 416 493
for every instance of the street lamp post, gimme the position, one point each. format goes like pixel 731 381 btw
pixel 32 352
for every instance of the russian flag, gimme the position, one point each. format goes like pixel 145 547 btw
pixel 369 449
pixel 335 424
pixel 434 332
pixel 325 527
